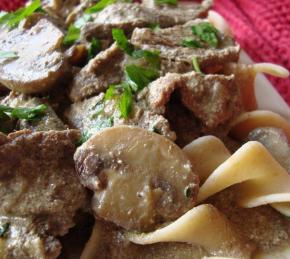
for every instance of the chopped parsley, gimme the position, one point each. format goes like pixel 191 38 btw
pixel 12 20
pixel 99 6
pixel 154 26
pixel 139 77
pixel 207 33
pixel 152 57
pixel 94 48
pixel 125 102
pixel 168 2
pixel 8 54
pixel 72 35
pixel 4 228
pixel 29 114
pixel 196 65
pixel 122 41
pixel 189 191
pixel 191 43
pixel 79 23
pixel 111 92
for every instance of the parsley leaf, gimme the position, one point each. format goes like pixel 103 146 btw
pixel 72 35
pixel 152 57
pixel 191 43
pixel 139 77
pixel 8 54
pixel 94 48
pixel 125 102
pixel 29 114
pixel 207 33
pixel 99 6
pixel 169 2
pixel 4 228
pixel 13 19
pixel 122 41
pixel 79 23
pixel 111 92
pixel 196 65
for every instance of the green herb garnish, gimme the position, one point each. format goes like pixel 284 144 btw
pixel 154 26
pixel 196 65
pixel 169 2
pixel 8 54
pixel 111 92
pixel 72 35
pixel 122 41
pixel 4 228
pixel 99 6
pixel 191 43
pixel 13 19
pixel 139 77
pixel 79 23
pixel 94 48
pixel 29 114
pixel 152 57
pixel 189 191
pixel 84 137
pixel 207 33
pixel 126 101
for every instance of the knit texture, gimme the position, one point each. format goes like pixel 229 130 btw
pixel 262 27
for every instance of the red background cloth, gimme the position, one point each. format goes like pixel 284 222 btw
pixel 262 27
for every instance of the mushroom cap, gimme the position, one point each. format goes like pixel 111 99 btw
pixel 140 179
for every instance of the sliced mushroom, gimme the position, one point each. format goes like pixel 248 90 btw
pixel 38 62
pixel 139 178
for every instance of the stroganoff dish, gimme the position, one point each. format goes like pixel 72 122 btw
pixel 131 130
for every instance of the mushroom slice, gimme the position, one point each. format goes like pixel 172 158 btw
pixel 139 178
pixel 38 62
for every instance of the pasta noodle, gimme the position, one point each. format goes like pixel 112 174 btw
pixel 260 178
pixel 241 127
pixel 203 225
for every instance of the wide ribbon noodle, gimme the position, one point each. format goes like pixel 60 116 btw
pixel 258 177
pixel 203 225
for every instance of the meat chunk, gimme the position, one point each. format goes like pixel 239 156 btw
pixel 214 99
pixel 126 16
pixel 95 113
pixel 22 240
pixel 177 58
pixel 49 121
pixel 140 179
pixel 183 11
pixel 39 63
pixel 38 179
pixel 103 70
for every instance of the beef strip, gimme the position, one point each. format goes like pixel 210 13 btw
pixel 183 11
pixel 175 57
pixel 94 114
pixel 22 240
pixel 103 70
pixel 38 179
pixel 39 62
pixel 213 99
pixel 49 121
pixel 128 16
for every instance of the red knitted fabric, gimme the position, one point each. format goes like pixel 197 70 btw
pixel 262 27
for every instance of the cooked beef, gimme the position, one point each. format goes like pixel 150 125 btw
pixel 214 99
pixel 126 16
pixel 103 70
pixel 49 121
pixel 94 114
pixel 38 179
pixel 182 121
pixel 39 62
pixel 175 57
pixel 138 177
pixel 183 12
pixel 22 240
